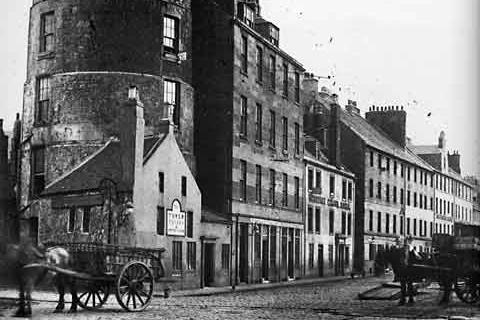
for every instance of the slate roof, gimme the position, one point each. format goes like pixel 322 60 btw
pixel 102 164
pixel 379 140
pixel 427 149
pixel 209 215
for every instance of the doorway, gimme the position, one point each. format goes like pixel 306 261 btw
pixel 243 253
pixel 291 272
pixel 341 260
pixel 320 260
pixel 209 264
pixel 265 256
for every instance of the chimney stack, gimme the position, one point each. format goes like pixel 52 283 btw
pixel 131 132
pixel 334 135
pixel 391 121
pixel 454 162
pixel 352 107
pixel 442 141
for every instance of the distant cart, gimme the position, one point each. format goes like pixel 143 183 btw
pixel 466 252
pixel 101 269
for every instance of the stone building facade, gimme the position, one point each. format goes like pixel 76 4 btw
pixel 329 217
pixel 82 57
pixel 249 136
pixel 454 212
pixel 395 191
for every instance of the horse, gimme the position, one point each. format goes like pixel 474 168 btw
pixel 409 267
pixel 20 256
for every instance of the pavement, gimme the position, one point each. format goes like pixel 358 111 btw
pixel 8 292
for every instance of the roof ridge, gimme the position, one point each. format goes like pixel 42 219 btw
pixel 396 147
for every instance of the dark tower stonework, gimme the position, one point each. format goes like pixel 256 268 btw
pixel 83 55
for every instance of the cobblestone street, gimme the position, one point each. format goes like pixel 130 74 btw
pixel 333 300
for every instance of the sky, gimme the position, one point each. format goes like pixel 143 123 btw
pixel 422 54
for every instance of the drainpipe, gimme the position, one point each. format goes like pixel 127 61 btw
pixel 237 280
pixel 304 210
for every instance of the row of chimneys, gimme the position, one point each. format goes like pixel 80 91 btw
pixel 386 108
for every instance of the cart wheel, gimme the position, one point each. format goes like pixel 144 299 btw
pixel 467 289
pixel 92 294
pixel 134 286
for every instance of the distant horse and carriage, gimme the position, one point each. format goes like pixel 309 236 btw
pixel 454 265
pixel 92 271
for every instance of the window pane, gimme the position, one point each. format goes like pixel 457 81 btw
pixel 225 256
pixel 86 220
pixel 170 33
pixel 191 255
pixel 190 224
pixel 71 219
pixel 177 255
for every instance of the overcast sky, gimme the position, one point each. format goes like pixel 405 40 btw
pixel 422 54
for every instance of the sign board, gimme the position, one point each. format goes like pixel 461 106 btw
pixel 176 220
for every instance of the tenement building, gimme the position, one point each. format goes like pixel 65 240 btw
pixel 249 142
pixel 329 199
pixel 475 183
pixel 330 187
pixel 395 188
pixel 453 195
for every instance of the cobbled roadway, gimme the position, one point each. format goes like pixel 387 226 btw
pixel 334 300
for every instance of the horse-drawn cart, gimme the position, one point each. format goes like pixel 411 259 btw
pixel 101 269
pixel 465 251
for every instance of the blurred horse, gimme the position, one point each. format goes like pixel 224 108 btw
pixel 28 265
pixel 410 267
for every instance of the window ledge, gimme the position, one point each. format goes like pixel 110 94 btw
pixel 244 73
pixel 243 137
pixel 173 56
pixel 259 143
pixel 272 148
pixel 46 55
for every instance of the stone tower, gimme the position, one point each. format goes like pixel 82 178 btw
pixel 83 55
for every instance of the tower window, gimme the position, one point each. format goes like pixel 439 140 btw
pixel 43 99
pixel 170 34
pixel 38 168
pixel 171 97
pixel 47 27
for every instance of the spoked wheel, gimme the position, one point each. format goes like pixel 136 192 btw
pixel 92 294
pixel 134 286
pixel 467 289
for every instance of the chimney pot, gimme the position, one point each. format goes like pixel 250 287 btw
pixel 18 116
pixel 1 124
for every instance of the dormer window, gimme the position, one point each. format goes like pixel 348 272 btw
pixel 274 35
pixel 246 14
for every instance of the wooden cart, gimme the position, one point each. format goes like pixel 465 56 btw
pixel 466 252
pixel 100 270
